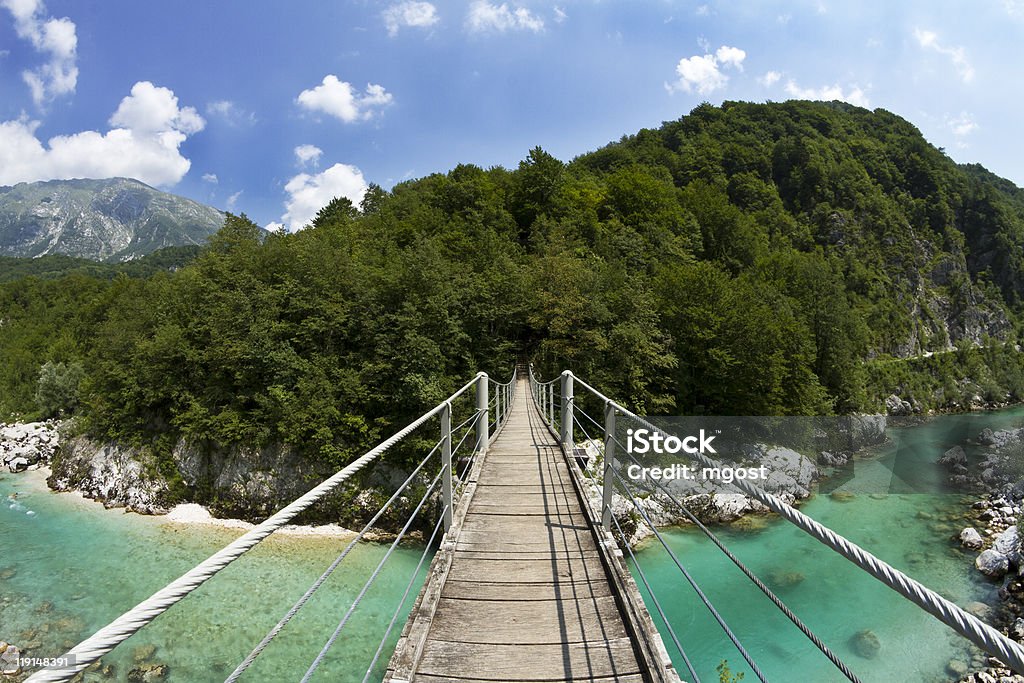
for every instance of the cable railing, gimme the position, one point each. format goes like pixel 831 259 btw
pixel 486 416
pixel 571 417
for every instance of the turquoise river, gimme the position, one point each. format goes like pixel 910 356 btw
pixel 72 566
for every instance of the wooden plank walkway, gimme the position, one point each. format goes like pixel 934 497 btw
pixel 523 593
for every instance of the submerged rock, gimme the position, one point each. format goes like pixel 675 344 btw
pixel 953 457
pixel 970 538
pixel 866 644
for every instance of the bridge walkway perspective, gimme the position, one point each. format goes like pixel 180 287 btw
pixel 523 591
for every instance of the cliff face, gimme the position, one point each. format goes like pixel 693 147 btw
pixel 237 482
pixel 107 220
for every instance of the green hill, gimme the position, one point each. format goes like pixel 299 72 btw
pixel 792 258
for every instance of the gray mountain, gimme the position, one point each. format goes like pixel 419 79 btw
pixel 107 220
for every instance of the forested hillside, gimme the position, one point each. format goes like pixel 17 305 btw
pixel 745 259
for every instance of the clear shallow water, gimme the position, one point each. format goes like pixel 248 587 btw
pixel 72 567
pixel 877 509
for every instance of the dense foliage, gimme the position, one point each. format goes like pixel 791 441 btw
pixel 745 259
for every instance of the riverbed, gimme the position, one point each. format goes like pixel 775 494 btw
pixel 893 501
pixel 72 566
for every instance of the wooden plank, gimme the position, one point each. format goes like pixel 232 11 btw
pixel 528 623
pixel 558 662
pixel 539 554
pixel 632 678
pixel 496 590
pixel 527 571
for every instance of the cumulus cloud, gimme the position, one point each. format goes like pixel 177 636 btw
pixel 210 178
pixel 485 17
pixel 731 56
pixel 702 73
pixel 230 112
pixel 929 40
pixel 307 193
pixel 340 100
pixel 855 95
pixel 769 78
pixel 307 154
pixel 410 13
pixel 233 200
pixel 55 38
pixel 144 143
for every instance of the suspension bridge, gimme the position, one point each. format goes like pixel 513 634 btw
pixel 528 581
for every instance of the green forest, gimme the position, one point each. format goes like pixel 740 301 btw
pixel 748 259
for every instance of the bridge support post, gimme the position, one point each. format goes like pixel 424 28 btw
pixel 446 464
pixel 482 424
pixel 567 436
pixel 497 406
pixel 609 465
pixel 551 404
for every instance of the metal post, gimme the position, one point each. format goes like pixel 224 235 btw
pixel 567 436
pixel 497 408
pixel 551 404
pixel 543 399
pixel 446 463
pixel 482 435
pixel 609 464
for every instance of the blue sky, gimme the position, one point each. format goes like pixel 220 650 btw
pixel 273 108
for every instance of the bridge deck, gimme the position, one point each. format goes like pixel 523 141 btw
pixel 523 593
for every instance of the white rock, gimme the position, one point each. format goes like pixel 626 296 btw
pixel 970 538
pixel 992 563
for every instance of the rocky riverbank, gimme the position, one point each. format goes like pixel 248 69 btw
pixel 991 467
pixel 26 446
pixel 789 474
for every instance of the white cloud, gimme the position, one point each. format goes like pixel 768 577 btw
pixel 702 72
pixel 55 38
pixel 702 11
pixel 855 95
pixel 338 99
pixel 210 178
pixel 307 194
pixel 731 56
pixel 961 126
pixel 930 40
pixel 144 143
pixel 308 154
pixel 409 13
pixel 233 200
pixel 484 17
pixel 560 15
pixel 154 109
pixel 230 112
pixel 769 78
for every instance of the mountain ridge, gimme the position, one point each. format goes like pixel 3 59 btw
pixel 113 219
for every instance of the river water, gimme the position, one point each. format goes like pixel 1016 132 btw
pixel 895 505
pixel 72 566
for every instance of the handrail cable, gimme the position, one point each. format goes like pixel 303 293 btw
pixel 272 633
pixel 815 640
pixel 405 596
pixel 967 625
pixel 643 578
pixel 693 583
pixel 119 630
pixel 775 599
pixel 369 582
